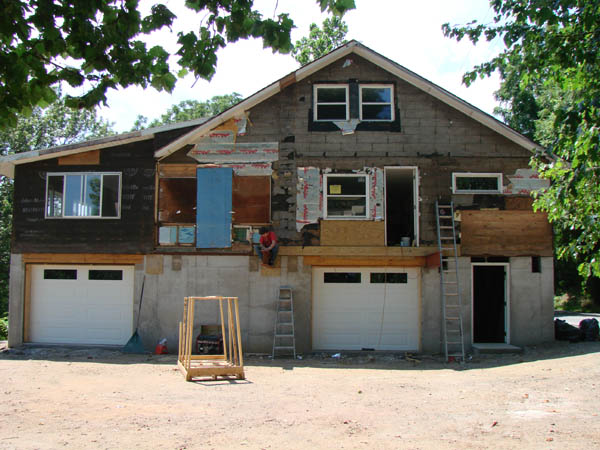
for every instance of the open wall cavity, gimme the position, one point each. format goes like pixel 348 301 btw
pixel 401 206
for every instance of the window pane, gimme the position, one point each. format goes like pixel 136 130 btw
pixel 110 196
pixel 347 206
pixel 346 185
pixel 331 95
pixel 398 278
pixel 73 204
pixel 377 277
pixel 55 196
pixel 377 95
pixel 91 205
pixel 105 275
pixel 167 235
pixel 331 112
pixel 187 235
pixel 60 274
pixel 477 183
pixel 341 277
pixel 376 112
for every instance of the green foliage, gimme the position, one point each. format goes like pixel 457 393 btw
pixel 98 45
pixel 552 52
pixel 42 128
pixel 4 327
pixel 320 41
pixel 190 109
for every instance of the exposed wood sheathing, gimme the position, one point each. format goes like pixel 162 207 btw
pixel 352 232
pixel 505 233
pixel 83 159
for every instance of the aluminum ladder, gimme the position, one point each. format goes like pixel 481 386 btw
pixel 284 340
pixel 454 345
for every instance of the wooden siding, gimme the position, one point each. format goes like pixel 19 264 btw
pixel 505 233
pixel 132 233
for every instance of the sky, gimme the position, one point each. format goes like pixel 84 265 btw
pixel 406 32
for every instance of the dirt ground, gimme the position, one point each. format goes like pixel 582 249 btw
pixel 547 397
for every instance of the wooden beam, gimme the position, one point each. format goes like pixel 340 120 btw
pixel 177 170
pixel 81 258
pixel 416 261
pixel 81 159
pixel 433 260
pixel 352 251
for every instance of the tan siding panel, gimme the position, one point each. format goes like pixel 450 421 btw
pixel 352 233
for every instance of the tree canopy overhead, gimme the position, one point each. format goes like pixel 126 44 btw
pixel 99 45
pixel 550 68
pixel 320 41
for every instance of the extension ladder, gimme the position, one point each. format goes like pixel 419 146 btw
pixel 284 340
pixel 452 322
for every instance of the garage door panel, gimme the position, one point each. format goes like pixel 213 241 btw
pixel 81 310
pixel 380 312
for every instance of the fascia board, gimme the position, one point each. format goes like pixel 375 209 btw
pixel 8 163
pixel 448 98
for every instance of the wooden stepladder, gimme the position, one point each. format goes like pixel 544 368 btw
pixel 452 323
pixel 284 340
pixel 231 362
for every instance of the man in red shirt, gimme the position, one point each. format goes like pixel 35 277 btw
pixel 267 247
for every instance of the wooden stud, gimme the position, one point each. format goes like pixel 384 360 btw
pixel 239 334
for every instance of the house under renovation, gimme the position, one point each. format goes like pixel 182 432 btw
pixel 365 171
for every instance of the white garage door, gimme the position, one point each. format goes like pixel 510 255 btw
pixel 81 304
pixel 357 308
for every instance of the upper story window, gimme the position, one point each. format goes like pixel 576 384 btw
pixel 376 102
pixel 331 102
pixel 346 196
pixel 81 195
pixel 477 183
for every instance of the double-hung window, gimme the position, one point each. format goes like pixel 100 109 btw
pixel 346 196
pixel 80 195
pixel 477 183
pixel 331 102
pixel 376 102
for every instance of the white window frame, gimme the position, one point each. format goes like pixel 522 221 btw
pixel 326 196
pixel 456 175
pixel 391 102
pixel 316 87
pixel 64 175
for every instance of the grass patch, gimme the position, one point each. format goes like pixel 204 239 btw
pixel 575 303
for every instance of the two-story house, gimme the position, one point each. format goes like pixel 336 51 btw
pixel 344 159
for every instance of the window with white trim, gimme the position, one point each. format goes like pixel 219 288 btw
pixel 331 102
pixel 376 102
pixel 477 183
pixel 346 196
pixel 83 195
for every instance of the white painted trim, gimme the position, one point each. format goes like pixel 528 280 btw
pixel 417 209
pixel 316 87
pixel 498 177
pixel 506 299
pixel 326 195
pixel 392 101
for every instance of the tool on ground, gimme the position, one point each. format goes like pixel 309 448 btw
pixel 134 344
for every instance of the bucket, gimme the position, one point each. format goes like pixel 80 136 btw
pixel 405 241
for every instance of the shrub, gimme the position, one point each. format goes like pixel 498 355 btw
pixel 4 327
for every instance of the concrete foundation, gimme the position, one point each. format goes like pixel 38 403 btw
pixel 173 277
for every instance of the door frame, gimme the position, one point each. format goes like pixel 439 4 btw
pixel 506 266
pixel 416 209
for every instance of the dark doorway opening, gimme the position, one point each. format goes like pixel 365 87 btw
pixel 489 303
pixel 400 206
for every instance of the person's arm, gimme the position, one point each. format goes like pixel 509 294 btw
pixel 273 240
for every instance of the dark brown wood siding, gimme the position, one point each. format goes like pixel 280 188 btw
pixel 132 233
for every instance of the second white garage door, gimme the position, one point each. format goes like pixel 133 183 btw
pixel 357 308
pixel 76 304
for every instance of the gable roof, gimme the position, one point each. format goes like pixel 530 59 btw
pixel 8 163
pixel 375 58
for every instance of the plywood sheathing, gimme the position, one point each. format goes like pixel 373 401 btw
pixel 352 233
pixel 505 233
pixel 81 159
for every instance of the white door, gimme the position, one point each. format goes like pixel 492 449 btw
pixel 75 304
pixel 356 308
